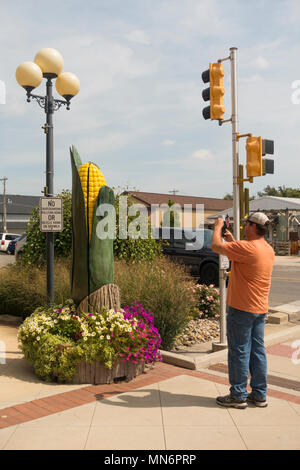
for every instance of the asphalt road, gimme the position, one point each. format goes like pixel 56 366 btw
pixel 285 285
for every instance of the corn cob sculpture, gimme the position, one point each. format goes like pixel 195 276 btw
pixel 92 276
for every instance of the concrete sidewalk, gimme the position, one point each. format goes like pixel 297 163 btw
pixel 167 408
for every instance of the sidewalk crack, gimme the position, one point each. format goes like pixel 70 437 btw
pixel 162 417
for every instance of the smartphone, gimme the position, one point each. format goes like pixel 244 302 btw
pixel 224 228
pixel 226 225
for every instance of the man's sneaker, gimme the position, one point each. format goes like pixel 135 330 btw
pixel 260 402
pixel 229 401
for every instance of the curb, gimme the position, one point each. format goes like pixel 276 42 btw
pixel 10 320
pixel 211 358
pixel 178 360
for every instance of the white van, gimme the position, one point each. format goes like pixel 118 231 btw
pixel 6 238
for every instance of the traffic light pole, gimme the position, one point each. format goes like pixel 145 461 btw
pixel 235 145
pixel 235 142
pixel 236 194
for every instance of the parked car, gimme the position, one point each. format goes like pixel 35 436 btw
pixel 196 253
pixel 14 243
pixel 5 239
pixel 20 246
pixel 11 246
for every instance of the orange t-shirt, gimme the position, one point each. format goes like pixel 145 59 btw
pixel 250 278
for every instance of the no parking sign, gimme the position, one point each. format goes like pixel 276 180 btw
pixel 51 214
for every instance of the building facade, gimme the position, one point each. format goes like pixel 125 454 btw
pixel 190 211
pixel 18 212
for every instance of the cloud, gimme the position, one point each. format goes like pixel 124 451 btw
pixel 251 79
pixel 261 63
pixel 139 37
pixel 202 154
pixel 168 143
pixel 104 63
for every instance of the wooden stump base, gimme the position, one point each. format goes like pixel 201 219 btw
pixel 108 296
pixel 97 374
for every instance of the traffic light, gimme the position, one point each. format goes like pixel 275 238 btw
pixel 254 156
pixel 268 164
pixel 256 148
pixel 215 93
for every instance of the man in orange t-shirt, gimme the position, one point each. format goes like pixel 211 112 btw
pixel 247 300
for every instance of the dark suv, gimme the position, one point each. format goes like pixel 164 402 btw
pixel 196 253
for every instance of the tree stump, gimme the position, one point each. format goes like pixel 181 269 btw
pixel 108 296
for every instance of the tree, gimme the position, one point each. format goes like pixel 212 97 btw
pixel 171 216
pixel 282 191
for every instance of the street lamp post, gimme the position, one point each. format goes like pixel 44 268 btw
pixel 48 63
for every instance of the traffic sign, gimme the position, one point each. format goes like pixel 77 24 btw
pixel 51 214
pixel 223 262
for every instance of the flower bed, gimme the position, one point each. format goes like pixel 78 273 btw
pixel 58 340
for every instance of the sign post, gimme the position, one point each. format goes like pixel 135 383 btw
pixel 223 266
pixel 51 220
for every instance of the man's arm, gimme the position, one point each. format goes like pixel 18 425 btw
pixel 216 242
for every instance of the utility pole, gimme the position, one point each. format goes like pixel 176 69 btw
pixel 4 179
pixel 174 191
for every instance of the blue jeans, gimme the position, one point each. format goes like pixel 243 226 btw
pixel 246 352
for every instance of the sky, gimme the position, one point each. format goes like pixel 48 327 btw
pixel 138 114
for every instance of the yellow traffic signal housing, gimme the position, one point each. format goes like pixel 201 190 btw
pixel 217 109
pixel 254 156
pixel 215 93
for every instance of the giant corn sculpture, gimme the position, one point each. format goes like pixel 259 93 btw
pixel 92 277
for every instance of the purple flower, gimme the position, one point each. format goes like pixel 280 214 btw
pixel 147 331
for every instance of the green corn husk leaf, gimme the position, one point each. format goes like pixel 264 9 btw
pixel 92 263
pixel 79 273
pixel 101 254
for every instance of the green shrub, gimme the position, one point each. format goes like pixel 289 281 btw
pixel 131 249
pixel 208 300
pixel 24 288
pixel 34 251
pixel 163 288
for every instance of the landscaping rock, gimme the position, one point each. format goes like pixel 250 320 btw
pixel 199 330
